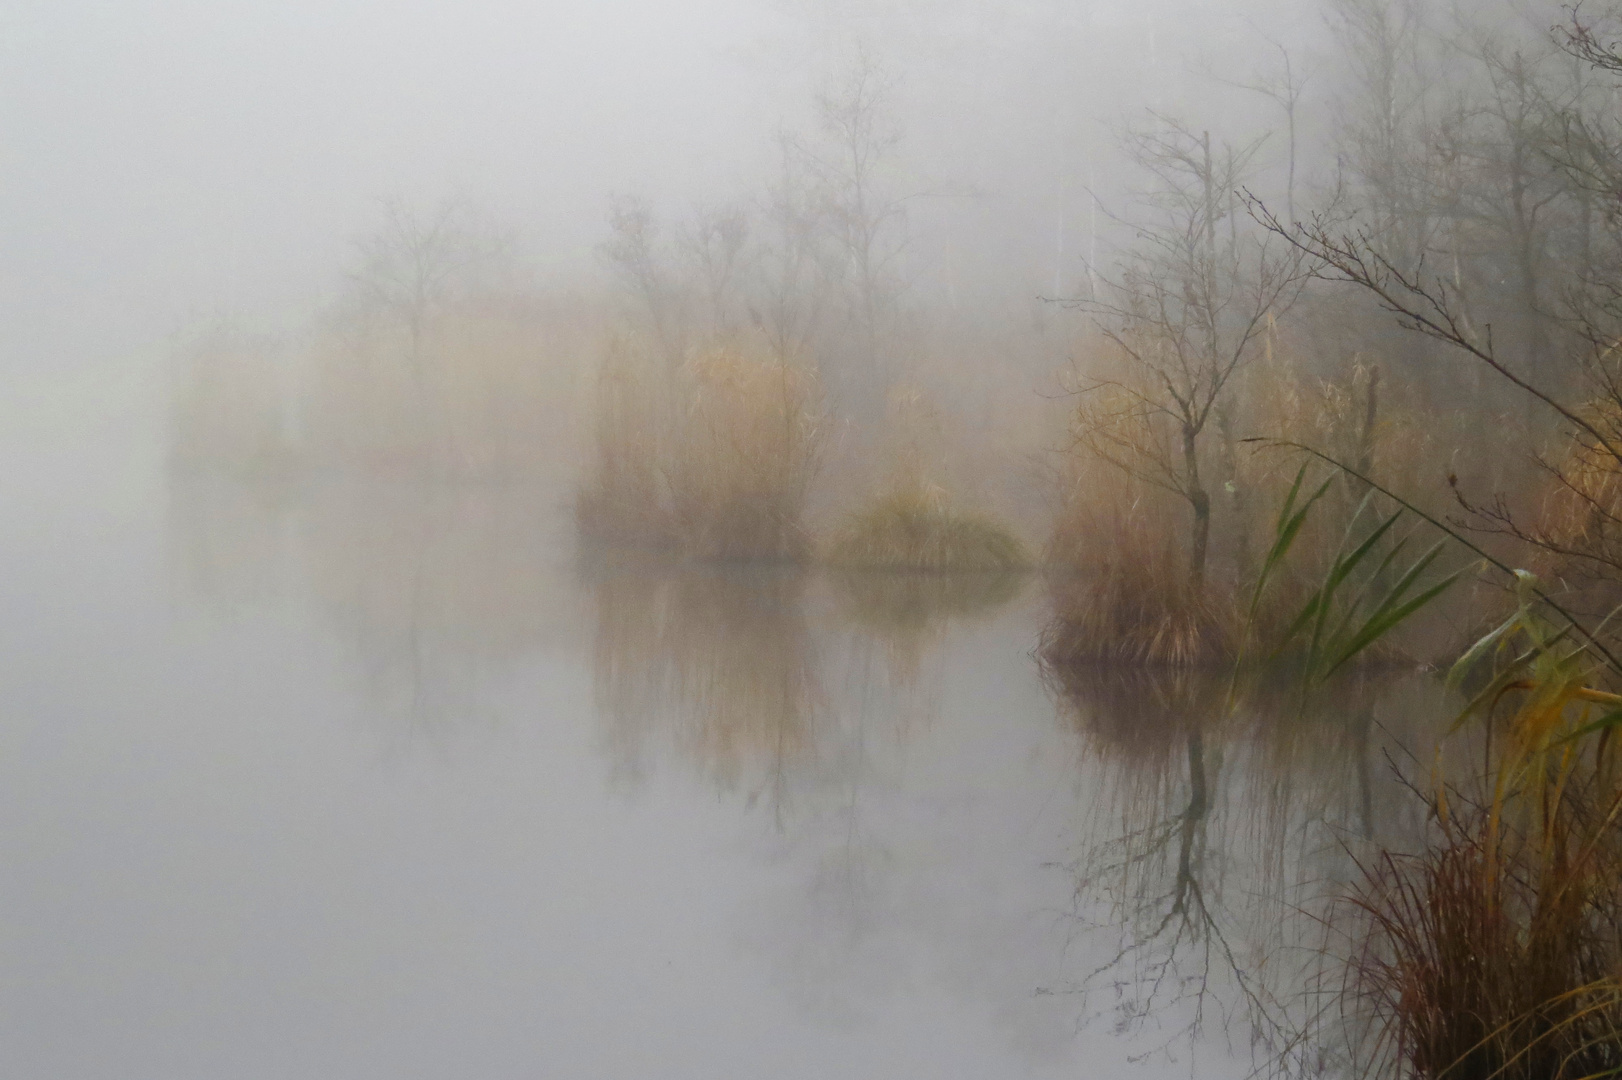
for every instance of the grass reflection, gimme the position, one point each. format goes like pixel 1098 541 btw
pixel 722 658
pixel 908 612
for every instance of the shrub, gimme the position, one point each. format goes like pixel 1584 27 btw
pixel 916 527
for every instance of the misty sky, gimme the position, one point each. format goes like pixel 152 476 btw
pixel 169 161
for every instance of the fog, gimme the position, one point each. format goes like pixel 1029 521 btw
pixel 783 538
pixel 165 161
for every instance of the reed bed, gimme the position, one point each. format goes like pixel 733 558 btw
pixel 712 459
pixel 748 452
pixel 624 500
pixel 487 392
pixel 1128 578
pixel 1120 586
pixel 229 410
pixel 1122 616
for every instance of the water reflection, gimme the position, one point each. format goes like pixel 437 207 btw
pixel 762 676
pixel 908 613
pixel 805 694
pixel 430 586
pixel 427 587
pixel 895 732
pixel 718 661
pixel 1226 819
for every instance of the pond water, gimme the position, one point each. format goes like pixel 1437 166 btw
pixel 392 781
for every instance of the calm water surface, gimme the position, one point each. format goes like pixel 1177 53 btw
pixel 391 781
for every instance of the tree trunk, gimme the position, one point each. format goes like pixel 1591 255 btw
pixel 1199 805
pixel 1202 537
pixel 1201 502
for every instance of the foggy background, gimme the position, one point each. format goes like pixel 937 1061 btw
pixel 166 162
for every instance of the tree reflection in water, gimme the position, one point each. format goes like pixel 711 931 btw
pixel 883 755
pixel 1231 818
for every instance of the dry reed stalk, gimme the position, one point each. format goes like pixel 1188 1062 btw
pixel 714 460
pixel 1497 951
pixel 1479 966
pixel 748 452
pixel 1120 583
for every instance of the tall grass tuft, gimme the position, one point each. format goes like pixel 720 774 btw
pixel 1484 963
pixel 1368 588
pixel 1120 585
pixel 914 526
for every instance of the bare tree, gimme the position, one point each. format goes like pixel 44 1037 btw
pixel 1384 119
pixel 714 245
pixel 1538 187
pixel 415 262
pixel 411 269
pixel 1458 177
pixel 1587 469
pixel 633 252
pixel 1515 220
pixel 1283 86
pixel 794 263
pixel 863 215
pixel 1188 309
